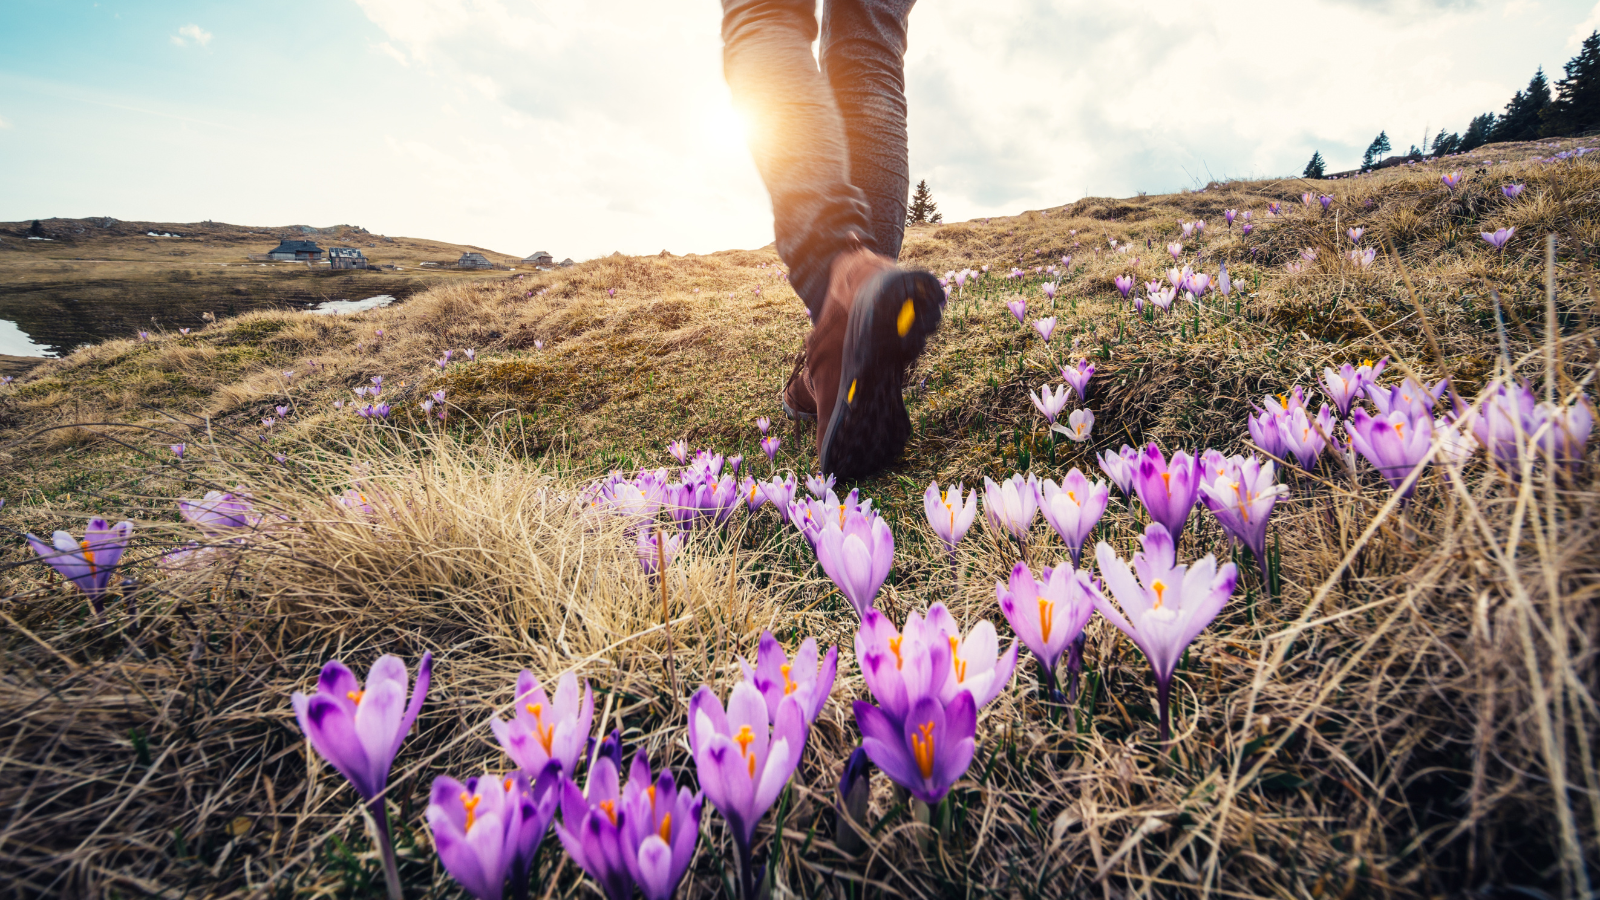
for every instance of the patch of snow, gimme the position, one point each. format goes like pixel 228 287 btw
pixel 33 238
pixel 343 307
pixel 162 234
pixel 16 342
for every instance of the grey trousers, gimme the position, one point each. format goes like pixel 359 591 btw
pixel 830 144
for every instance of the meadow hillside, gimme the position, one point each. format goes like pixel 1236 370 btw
pixel 72 282
pixel 1398 702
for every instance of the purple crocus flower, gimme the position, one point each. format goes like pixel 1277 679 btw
pixel 856 551
pixel 743 762
pixel 1019 308
pixel 1342 386
pixel 650 556
pixel 1305 436
pixel 660 823
pixel 178 449
pixel 357 729
pixel 1175 249
pixel 1242 498
pixel 1124 284
pixel 763 423
pixel 591 829
pixel 679 451
pixel 1354 234
pixel 1266 430
pixel 1166 608
pixel 1049 404
pixel 1224 283
pixel 806 677
pixel 1229 214
pixel 1512 191
pixel 976 664
pixel 950 518
pixel 472 825
pixel 1120 467
pixel 217 512
pixel 1168 491
pixel 1199 283
pixel 1073 508
pixel 1564 431
pixel 540 731
pixel 1045 327
pixel 1246 228
pixel 1326 202
pixel 1499 237
pixel 87 563
pixel 921 743
pixel 1273 208
pixel 1407 397
pixel 750 490
pixel 1010 506
pixel 489 828
pixel 1079 377
pixel 819 486
pixel 1451 179
pixel 1031 606
pixel 780 493
pixel 1394 443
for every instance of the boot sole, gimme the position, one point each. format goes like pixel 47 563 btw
pixel 870 426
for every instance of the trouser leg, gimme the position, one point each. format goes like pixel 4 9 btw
pixel 863 59
pixel 796 136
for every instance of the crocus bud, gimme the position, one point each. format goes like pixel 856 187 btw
pixel 855 789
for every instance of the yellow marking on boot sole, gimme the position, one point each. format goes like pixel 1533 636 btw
pixel 851 397
pixel 908 314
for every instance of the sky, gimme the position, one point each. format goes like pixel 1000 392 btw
pixel 583 127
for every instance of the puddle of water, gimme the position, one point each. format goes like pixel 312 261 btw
pixel 344 307
pixel 15 342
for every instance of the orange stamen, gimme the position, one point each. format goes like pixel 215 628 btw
pixel 355 696
pixel 788 685
pixel 651 790
pixel 88 555
pixel 609 807
pixel 666 828
pixel 894 644
pixel 1047 614
pixel 545 734
pixel 1166 482
pixel 1161 589
pixel 957 662
pixel 471 804
pixel 922 749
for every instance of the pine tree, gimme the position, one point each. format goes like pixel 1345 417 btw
pixel 1477 134
pixel 1576 107
pixel 1376 150
pixel 922 208
pixel 1316 167
pixel 1446 143
pixel 1521 120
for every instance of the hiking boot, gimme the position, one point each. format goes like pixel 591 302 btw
pixel 875 321
pixel 799 402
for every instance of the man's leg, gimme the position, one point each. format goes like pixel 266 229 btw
pixel 796 137
pixel 863 58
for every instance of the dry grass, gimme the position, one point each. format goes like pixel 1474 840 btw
pixel 1413 715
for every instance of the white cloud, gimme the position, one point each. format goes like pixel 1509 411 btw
pixel 4 123
pixel 394 52
pixel 194 33
pixel 1584 29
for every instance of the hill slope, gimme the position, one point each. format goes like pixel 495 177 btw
pixel 71 282
pixel 1399 706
